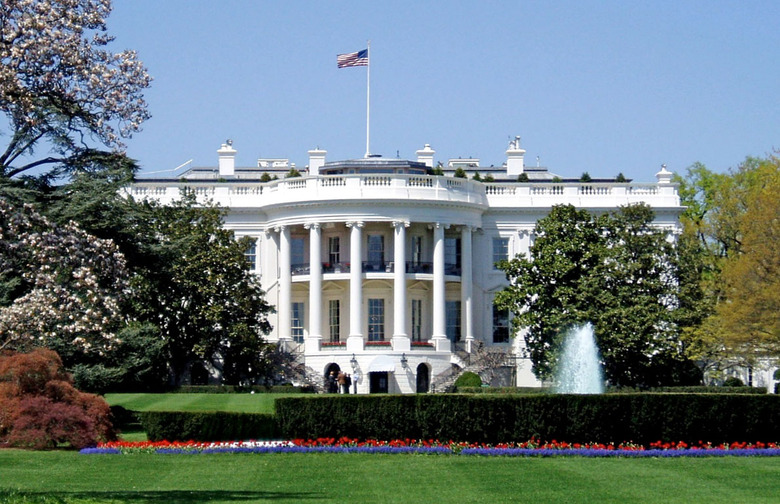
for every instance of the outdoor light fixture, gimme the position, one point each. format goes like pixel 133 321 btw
pixel 353 361
pixel 404 361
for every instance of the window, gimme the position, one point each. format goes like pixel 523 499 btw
pixel 453 320
pixel 334 319
pixel 500 325
pixel 376 320
pixel 500 250
pixel 416 250
pixel 296 322
pixel 334 250
pixel 251 255
pixel 297 257
pixel 452 256
pixel 376 252
pixel 416 319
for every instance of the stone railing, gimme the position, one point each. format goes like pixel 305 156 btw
pixel 410 187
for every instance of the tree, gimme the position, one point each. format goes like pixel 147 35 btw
pixel 59 286
pixel 61 86
pixel 39 408
pixel 460 173
pixel 206 303
pixel 750 310
pixel 616 271
pixel 733 216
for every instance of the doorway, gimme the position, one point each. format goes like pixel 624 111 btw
pixel 378 382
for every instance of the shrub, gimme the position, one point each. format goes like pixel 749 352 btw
pixel 468 379
pixel 207 426
pixel 40 408
pixel 733 381
pixel 493 418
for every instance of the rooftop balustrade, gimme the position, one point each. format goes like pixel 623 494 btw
pixel 409 187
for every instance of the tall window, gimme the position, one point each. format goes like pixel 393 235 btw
pixel 376 320
pixel 500 250
pixel 296 322
pixel 376 251
pixel 334 250
pixel 334 319
pixel 500 325
pixel 416 319
pixel 453 320
pixel 297 257
pixel 452 256
pixel 251 255
pixel 417 256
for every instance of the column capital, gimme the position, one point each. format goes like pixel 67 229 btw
pixel 312 225
pixel 399 223
pixel 438 225
pixel 523 232
pixel 280 228
pixel 351 224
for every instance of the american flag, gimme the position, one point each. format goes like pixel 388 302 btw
pixel 359 58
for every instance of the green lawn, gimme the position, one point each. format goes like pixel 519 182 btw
pixel 66 477
pixel 248 403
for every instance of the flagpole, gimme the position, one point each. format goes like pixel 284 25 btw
pixel 368 99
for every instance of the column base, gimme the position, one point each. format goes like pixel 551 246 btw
pixel 312 344
pixel 355 344
pixel 401 343
pixel 441 344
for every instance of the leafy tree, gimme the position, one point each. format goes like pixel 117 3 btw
pixel 616 271
pixel 488 178
pixel 621 178
pixel 62 87
pixel 585 177
pixel 59 286
pixel 39 408
pixel 293 173
pixel 460 173
pixel 523 177
pixel 208 306
pixel 477 177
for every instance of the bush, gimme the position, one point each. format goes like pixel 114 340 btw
pixel 488 418
pixel 40 408
pixel 468 379
pixel 733 381
pixel 207 426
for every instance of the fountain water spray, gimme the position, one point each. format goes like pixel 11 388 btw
pixel 579 368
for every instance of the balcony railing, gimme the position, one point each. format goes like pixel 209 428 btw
pixel 377 267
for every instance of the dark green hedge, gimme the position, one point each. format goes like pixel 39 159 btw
pixel 711 390
pixel 207 426
pixel 642 418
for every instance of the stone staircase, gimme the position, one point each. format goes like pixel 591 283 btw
pixel 481 361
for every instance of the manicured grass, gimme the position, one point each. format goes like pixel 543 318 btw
pixel 66 477
pixel 247 403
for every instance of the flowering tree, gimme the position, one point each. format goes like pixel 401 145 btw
pixel 61 85
pixel 59 286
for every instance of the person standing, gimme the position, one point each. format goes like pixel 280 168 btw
pixel 355 380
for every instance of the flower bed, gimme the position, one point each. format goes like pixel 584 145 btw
pixel 532 448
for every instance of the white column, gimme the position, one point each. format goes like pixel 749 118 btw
pixel 466 287
pixel 285 285
pixel 400 339
pixel 355 339
pixel 315 287
pixel 439 306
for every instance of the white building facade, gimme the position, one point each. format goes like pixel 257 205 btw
pixel 381 270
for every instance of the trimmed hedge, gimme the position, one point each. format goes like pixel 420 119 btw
pixel 642 418
pixel 504 390
pixel 711 390
pixel 207 426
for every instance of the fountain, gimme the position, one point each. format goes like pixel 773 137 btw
pixel 579 368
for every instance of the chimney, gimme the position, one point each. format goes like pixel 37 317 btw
pixel 664 176
pixel 514 158
pixel 227 159
pixel 425 155
pixel 316 160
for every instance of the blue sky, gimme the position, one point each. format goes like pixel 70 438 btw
pixel 603 87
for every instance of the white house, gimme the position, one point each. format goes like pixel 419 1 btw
pixel 382 270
